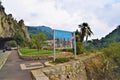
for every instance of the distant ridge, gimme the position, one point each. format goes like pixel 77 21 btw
pixel 41 29
pixel 112 37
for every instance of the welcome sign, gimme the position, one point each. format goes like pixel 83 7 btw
pixel 63 34
pixel 63 39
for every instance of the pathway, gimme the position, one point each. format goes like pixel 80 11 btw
pixel 12 71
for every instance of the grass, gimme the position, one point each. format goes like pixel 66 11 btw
pixel 62 56
pixel 31 52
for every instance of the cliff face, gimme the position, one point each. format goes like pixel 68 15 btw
pixel 24 30
pixel 9 27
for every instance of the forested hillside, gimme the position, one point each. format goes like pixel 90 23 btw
pixel 112 37
pixel 41 29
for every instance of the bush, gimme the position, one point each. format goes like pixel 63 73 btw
pixel 93 51
pixel 67 50
pixel 60 60
pixel 113 50
pixel 80 48
pixel 112 58
pixel 12 43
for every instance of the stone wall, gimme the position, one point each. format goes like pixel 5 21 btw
pixel 3 58
pixel 73 70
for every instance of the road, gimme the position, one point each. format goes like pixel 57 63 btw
pixel 12 71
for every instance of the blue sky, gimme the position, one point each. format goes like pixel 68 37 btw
pixel 102 15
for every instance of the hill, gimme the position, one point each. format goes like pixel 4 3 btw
pixel 11 29
pixel 41 29
pixel 112 37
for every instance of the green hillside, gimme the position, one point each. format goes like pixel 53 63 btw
pixel 41 29
pixel 112 37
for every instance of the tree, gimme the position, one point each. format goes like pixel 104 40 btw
pixel 77 34
pixel 85 31
pixel 38 40
pixel 19 38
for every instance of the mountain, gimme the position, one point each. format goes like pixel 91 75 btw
pixel 45 28
pixel 112 37
pixel 11 29
pixel 41 29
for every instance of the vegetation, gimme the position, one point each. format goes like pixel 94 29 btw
pixel 112 59
pixel 112 37
pixel 80 48
pixel 38 40
pixel 20 39
pixel 60 60
pixel 67 50
pixel 113 52
pixel 106 66
pixel 11 43
pixel 85 31
pixel 36 30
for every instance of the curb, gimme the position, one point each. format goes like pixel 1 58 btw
pixel 4 60
pixel 38 75
pixel 27 57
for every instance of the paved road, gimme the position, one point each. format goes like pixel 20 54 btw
pixel 12 71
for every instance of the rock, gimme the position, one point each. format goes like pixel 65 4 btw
pixel 9 27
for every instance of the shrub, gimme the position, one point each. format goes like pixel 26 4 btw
pixel 93 51
pixel 112 59
pixel 67 50
pixel 60 60
pixel 80 48
pixel 112 50
pixel 11 43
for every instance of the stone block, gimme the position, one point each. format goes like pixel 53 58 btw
pixel 68 67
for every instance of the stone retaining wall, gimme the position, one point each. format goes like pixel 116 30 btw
pixel 3 58
pixel 74 70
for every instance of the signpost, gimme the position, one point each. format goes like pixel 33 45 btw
pixel 64 36
pixel 74 44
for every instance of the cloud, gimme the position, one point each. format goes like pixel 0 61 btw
pixel 101 15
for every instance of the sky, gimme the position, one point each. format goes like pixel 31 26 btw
pixel 103 16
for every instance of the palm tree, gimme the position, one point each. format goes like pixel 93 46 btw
pixel 85 31
pixel 77 34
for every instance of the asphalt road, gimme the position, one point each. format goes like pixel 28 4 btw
pixel 12 71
